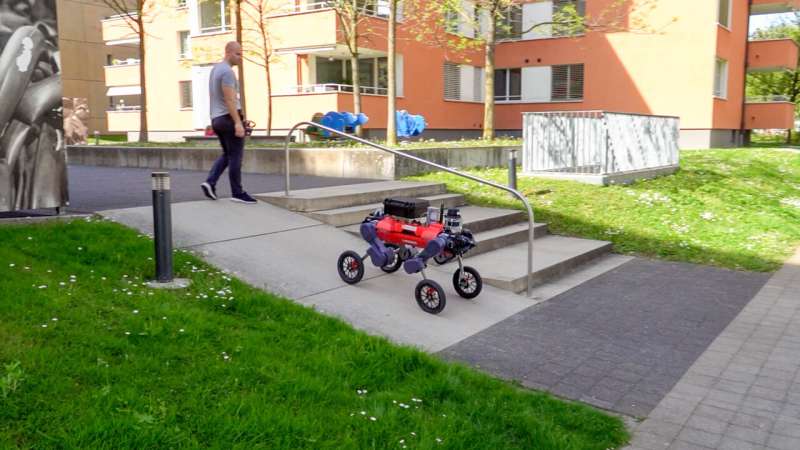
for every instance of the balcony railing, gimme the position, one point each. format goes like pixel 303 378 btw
pixel 124 108
pixel 130 15
pixel 768 98
pixel 381 9
pixel 124 62
pixel 329 88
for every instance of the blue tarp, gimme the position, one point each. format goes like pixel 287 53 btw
pixel 409 125
pixel 342 121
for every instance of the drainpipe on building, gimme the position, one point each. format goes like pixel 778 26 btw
pixel 744 137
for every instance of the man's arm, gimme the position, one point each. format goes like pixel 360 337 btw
pixel 229 93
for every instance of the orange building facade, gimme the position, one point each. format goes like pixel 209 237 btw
pixel 679 58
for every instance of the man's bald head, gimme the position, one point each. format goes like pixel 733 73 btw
pixel 233 53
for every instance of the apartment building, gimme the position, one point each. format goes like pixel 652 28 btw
pixel 84 53
pixel 684 58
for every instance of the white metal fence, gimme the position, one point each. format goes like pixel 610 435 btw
pixel 598 142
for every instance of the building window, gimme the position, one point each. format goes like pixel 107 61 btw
pixel 721 78
pixel 181 4
pixel 463 82
pixel 452 81
pixel 567 82
pixel 214 16
pixel 452 21
pixel 724 16
pixel 109 60
pixel 507 85
pixel 509 26
pixel 378 8
pixel 564 13
pixel 186 94
pixel 372 74
pixel 185 45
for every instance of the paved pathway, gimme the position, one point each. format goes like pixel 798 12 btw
pixel 94 189
pixel 744 391
pixel 620 341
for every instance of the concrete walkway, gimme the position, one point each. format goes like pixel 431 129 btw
pixel 295 256
pixel 744 390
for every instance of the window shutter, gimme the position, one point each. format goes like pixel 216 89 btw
pixel 186 94
pixel 576 82
pixel 452 81
pixel 559 86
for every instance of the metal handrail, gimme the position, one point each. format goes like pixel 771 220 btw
pixel 513 192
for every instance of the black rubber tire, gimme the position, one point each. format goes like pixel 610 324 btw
pixel 430 296
pixel 350 267
pixel 471 290
pixel 395 265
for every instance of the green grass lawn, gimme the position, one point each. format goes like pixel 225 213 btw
pixel 735 208
pixel 91 358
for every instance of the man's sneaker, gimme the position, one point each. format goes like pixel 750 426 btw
pixel 244 197
pixel 209 191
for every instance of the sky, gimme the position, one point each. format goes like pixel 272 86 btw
pixel 763 21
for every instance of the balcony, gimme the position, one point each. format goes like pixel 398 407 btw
pixel 380 10
pixel 117 30
pixel 774 6
pixel 123 120
pixel 329 88
pixel 319 31
pixel 769 113
pixel 125 73
pixel 299 107
pixel 772 55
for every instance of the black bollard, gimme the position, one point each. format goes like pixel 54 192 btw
pixel 512 169
pixel 162 226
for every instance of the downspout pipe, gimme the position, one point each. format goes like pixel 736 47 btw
pixel 742 123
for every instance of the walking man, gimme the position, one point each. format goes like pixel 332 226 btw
pixel 227 122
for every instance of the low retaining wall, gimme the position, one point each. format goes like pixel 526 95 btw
pixel 329 162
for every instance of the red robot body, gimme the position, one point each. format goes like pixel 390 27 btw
pixel 399 232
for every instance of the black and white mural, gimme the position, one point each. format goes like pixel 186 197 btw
pixel 33 169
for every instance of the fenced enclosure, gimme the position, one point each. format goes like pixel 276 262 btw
pixel 598 146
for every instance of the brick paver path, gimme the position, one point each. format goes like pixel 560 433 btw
pixel 744 390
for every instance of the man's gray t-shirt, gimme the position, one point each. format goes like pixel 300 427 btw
pixel 221 75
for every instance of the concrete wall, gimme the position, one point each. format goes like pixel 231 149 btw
pixel 336 162
pixel 703 139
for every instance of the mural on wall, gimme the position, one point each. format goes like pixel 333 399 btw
pixel 76 120
pixel 33 166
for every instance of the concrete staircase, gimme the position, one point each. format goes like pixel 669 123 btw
pixel 501 234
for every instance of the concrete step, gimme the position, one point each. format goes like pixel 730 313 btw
pixel 320 199
pixel 553 256
pixel 340 217
pixel 479 219
pixel 498 228
pixel 494 239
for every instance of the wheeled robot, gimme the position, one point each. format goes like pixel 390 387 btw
pixel 408 232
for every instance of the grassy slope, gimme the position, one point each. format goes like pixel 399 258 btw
pixel 735 208
pixel 223 365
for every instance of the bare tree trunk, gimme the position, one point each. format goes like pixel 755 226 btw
pixel 794 97
pixel 354 53
pixel 488 82
pixel 391 100
pixel 143 135
pixel 269 98
pixel 238 12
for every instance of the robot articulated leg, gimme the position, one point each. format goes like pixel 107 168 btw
pixel 378 253
pixel 418 263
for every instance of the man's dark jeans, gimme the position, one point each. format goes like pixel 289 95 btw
pixel 232 153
